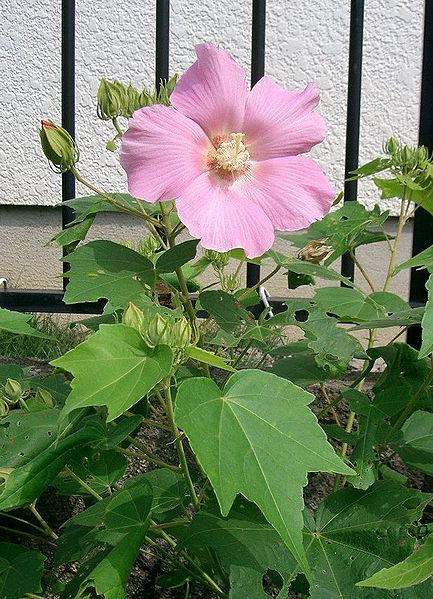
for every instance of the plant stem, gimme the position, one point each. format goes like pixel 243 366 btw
pixel 21 520
pixel 257 285
pixel 48 530
pixel 179 447
pixel 328 400
pixel 26 534
pixel 402 219
pixel 82 483
pixel 185 555
pixel 111 200
pixel 362 271
pixel 142 453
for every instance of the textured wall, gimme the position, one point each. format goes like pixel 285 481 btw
pixel 306 41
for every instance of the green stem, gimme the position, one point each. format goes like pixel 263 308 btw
pixel 82 483
pixel 257 285
pixel 362 271
pixel 117 127
pixel 48 530
pixel 179 446
pixel 111 200
pixel 402 219
pixel 22 521
pixel 146 455
pixel 191 562
pixel 18 533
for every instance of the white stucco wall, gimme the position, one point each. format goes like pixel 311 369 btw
pixel 306 41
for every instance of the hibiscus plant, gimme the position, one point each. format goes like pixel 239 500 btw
pixel 213 373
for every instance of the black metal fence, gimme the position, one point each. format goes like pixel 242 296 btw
pixel 52 300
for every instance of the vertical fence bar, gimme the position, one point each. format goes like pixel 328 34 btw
pixel 257 71
pixel 353 113
pixel 162 41
pixel 423 221
pixel 68 104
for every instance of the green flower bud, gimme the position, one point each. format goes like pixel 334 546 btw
pixel 157 331
pixel 112 99
pixel 44 397
pixel 134 317
pixel 149 246
pixel 230 282
pixel 4 408
pixel 58 146
pixel 218 259
pixel 12 391
pixel 181 334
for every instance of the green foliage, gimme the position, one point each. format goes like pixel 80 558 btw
pixel 356 533
pixel 126 370
pixel 103 269
pixel 416 568
pixel 415 443
pixel 17 323
pixel 223 307
pixel 20 571
pixel 254 406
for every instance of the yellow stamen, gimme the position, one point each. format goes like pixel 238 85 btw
pixel 232 155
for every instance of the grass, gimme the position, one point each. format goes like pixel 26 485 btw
pixel 64 339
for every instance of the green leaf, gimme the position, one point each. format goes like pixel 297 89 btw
pixel 405 318
pixel 245 544
pixel 302 267
pixel 207 357
pixel 105 539
pixel 123 369
pixel 227 432
pixel 168 489
pixel 415 444
pixel 347 304
pixel 389 301
pixel 227 312
pixel 371 168
pixel 26 482
pixel 24 435
pixel 427 322
pixel 406 187
pixel 21 571
pixel 74 232
pixel 99 469
pixel 103 269
pixel 299 365
pixel 344 229
pixel 177 256
pixel 423 260
pixel 173 579
pixel 416 568
pixel 359 532
pixel 94 204
pixel 15 322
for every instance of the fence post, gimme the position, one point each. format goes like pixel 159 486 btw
pixel 423 220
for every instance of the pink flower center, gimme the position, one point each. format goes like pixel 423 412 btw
pixel 230 156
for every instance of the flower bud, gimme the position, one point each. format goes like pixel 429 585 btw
pixel 58 146
pixel 12 391
pixel 149 246
pixel 134 317
pixel 44 397
pixel 315 251
pixel 4 408
pixel 111 100
pixel 218 259
pixel 181 334
pixel 157 331
pixel 230 282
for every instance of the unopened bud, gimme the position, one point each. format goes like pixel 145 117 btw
pixel 58 146
pixel 157 331
pixel 111 100
pixel 218 259
pixel 315 251
pixel 149 246
pixel 230 282
pixel 12 391
pixel 181 334
pixel 4 408
pixel 133 317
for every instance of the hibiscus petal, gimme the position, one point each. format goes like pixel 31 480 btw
pixel 223 218
pixel 281 123
pixel 162 152
pixel 212 92
pixel 292 191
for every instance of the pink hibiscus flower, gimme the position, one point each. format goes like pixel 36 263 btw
pixel 228 157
